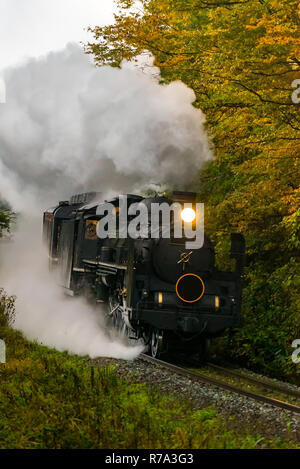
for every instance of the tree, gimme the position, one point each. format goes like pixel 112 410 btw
pixel 6 217
pixel 4 221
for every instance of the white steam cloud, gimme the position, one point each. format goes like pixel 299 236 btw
pixel 68 127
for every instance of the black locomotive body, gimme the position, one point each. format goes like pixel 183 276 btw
pixel 153 290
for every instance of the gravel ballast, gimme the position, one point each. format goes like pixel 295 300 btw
pixel 266 420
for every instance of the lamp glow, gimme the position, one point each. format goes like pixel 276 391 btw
pixel 188 215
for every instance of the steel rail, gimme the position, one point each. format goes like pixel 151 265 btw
pixel 275 387
pixel 221 384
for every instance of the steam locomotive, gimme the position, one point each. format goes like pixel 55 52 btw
pixel 154 291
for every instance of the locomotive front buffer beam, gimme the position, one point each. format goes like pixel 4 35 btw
pixel 211 324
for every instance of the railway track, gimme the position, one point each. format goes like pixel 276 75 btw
pixel 203 378
pixel 260 382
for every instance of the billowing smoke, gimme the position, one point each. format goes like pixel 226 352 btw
pixel 68 127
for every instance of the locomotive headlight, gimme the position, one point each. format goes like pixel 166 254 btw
pixel 217 302
pixel 188 215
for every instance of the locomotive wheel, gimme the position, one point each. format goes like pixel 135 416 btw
pixel 156 343
pixel 114 317
pixel 116 323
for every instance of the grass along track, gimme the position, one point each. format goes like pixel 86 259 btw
pixel 200 376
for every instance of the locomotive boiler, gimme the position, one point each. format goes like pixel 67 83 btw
pixel 151 290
